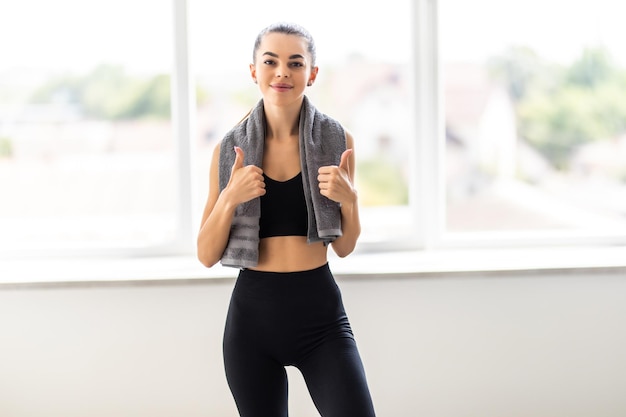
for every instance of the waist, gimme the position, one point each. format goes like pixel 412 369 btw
pixel 307 289
pixel 290 254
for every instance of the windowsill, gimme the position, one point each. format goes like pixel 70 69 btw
pixel 429 263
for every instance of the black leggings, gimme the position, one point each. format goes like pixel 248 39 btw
pixel 296 319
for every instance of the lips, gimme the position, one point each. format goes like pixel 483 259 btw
pixel 281 87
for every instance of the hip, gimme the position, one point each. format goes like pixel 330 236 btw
pixel 283 297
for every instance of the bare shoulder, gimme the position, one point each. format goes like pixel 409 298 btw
pixel 214 168
pixel 216 150
pixel 216 155
pixel 349 139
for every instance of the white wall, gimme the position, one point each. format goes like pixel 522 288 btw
pixel 457 345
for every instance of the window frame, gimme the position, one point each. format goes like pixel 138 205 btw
pixel 426 195
pixel 430 116
pixel 427 153
pixel 182 99
pixel 427 200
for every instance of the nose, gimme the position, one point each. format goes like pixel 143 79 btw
pixel 282 71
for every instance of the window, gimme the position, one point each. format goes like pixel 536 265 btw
pixel 87 151
pixel 364 82
pixel 503 134
pixel 535 120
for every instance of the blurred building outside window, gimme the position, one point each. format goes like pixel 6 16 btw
pixel 535 118
pixel 86 146
pixel 364 81
pixel 534 124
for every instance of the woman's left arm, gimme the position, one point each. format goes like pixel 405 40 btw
pixel 337 183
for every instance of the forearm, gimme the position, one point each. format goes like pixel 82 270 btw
pixel 214 232
pixel 350 227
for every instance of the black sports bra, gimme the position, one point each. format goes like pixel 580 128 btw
pixel 283 208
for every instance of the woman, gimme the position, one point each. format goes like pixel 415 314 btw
pixel 281 192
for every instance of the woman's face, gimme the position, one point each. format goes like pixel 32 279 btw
pixel 282 68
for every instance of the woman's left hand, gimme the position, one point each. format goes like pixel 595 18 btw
pixel 335 181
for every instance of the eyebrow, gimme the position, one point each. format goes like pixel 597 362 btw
pixel 294 56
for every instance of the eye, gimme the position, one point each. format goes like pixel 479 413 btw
pixel 297 64
pixel 268 62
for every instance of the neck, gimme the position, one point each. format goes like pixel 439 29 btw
pixel 282 121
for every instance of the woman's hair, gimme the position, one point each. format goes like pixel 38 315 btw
pixel 287 29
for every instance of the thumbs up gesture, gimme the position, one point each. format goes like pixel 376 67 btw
pixel 246 181
pixel 335 182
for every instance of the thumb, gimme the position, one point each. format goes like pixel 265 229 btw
pixel 238 158
pixel 345 156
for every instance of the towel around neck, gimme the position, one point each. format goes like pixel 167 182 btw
pixel 322 141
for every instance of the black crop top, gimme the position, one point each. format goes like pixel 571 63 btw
pixel 283 208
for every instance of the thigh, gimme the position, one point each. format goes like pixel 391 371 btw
pixel 258 383
pixel 256 380
pixel 335 377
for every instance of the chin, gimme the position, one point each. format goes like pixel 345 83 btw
pixel 283 99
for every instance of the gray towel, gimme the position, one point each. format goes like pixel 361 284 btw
pixel 322 141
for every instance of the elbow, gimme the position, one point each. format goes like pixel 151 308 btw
pixel 205 257
pixel 205 260
pixel 345 245
pixel 343 250
pixel 343 254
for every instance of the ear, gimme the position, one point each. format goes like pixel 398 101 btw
pixel 313 75
pixel 253 72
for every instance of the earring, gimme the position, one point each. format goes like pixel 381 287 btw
pixel 310 83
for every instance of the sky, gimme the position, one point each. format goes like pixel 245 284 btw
pixel 78 34
pixel 557 29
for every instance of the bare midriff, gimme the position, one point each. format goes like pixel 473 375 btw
pixel 290 254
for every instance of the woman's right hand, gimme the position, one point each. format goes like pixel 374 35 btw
pixel 246 181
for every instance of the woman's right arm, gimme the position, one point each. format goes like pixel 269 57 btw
pixel 245 183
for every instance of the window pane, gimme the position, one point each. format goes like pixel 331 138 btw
pixel 86 147
pixel 535 116
pixel 362 82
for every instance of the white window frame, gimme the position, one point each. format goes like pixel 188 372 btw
pixel 428 200
pixel 427 204
pixel 183 121
pixel 426 194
